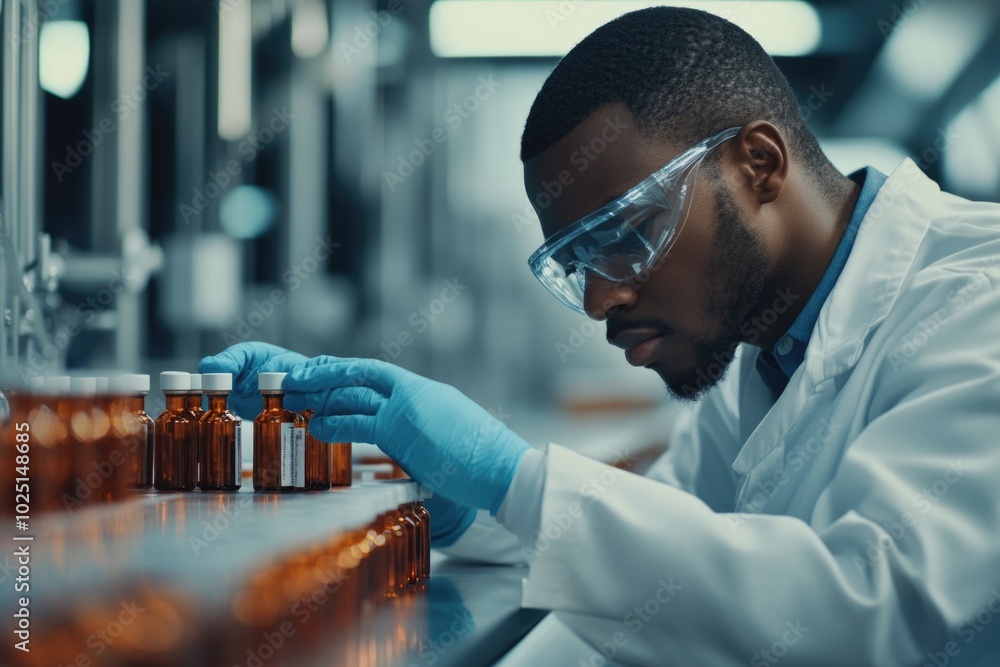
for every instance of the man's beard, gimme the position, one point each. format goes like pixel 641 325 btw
pixel 735 279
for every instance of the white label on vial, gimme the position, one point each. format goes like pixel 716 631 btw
pixel 299 465
pixel 239 452
pixel 287 449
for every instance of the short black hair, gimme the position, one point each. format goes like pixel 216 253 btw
pixel 684 75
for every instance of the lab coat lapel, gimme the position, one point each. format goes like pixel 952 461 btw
pixel 883 253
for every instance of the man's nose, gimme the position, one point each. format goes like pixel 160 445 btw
pixel 603 297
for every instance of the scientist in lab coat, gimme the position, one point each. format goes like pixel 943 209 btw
pixel 833 495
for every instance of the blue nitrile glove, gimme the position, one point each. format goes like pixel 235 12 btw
pixel 448 520
pixel 437 435
pixel 245 361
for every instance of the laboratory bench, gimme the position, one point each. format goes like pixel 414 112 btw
pixel 246 579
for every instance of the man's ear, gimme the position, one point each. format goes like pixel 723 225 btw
pixel 762 158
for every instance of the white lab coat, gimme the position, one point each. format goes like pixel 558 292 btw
pixel 855 520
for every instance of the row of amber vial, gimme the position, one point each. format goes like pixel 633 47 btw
pixel 198 448
pixel 68 442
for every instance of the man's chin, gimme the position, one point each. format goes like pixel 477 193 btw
pixel 691 385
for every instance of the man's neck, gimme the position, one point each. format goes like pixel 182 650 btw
pixel 814 226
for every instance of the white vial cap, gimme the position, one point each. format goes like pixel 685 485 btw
pixel 217 381
pixel 270 381
pixel 175 381
pixel 131 383
pixel 102 384
pixel 57 384
pixel 36 383
pixel 83 386
pixel 195 381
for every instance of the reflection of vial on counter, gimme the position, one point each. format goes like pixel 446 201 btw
pixel 317 460
pixel 175 454
pixel 132 427
pixel 221 465
pixel 278 446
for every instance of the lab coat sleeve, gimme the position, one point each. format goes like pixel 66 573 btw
pixel 904 561
pixel 486 541
pixel 499 541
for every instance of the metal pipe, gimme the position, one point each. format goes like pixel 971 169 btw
pixel 11 185
pixel 130 60
pixel 30 199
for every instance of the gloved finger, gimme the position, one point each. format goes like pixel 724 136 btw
pixel 336 402
pixel 237 358
pixel 247 407
pixel 350 428
pixel 245 384
pixel 326 372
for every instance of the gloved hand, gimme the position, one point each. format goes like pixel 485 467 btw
pixel 245 361
pixel 438 436
pixel 448 520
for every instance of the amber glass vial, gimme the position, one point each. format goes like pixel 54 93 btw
pixel 92 475
pixel 175 456
pixel 278 446
pixel 58 389
pixel 221 466
pixel 340 466
pixel 138 427
pixel 133 427
pixel 193 401
pixel 119 458
pixel 425 521
pixel 318 461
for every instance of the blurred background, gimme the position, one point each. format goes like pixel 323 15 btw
pixel 342 176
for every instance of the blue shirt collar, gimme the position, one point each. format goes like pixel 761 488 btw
pixel 779 364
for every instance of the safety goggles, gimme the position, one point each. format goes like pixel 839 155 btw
pixel 623 239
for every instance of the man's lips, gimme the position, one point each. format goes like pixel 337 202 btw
pixel 642 346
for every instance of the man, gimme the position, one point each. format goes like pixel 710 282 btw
pixel 833 498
